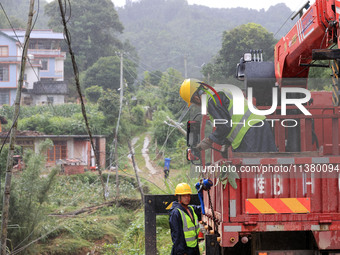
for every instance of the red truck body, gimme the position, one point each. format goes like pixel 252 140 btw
pixel 287 200
pixel 300 194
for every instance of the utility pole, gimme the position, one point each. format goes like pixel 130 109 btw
pixel 177 125
pixel 117 126
pixel 135 168
pixel 9 166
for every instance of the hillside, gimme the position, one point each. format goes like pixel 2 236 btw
pixel 168 32
pixel 18 16
pixel 165 32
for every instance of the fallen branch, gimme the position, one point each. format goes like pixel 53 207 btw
pixel 129 203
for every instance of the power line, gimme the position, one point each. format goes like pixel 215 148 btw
pixel 147 66
pixel 285 22
pixel 22 46
pixel 127 67
pixel 29 60
pixel 76 73
pixel 9 167
pixel 30 63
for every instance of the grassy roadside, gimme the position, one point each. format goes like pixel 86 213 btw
pixel 117 229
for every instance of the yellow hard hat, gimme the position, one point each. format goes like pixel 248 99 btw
pixel 183 189
pixel 188 88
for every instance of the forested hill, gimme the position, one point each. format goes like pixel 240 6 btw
pixel 17 10
pixel 166 31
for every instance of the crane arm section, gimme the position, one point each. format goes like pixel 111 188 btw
pixel 317 28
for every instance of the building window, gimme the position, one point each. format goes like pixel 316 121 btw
pixel 59 151
pixel 27 101
pixel 4 51
pixel 26 144
pixel 44 64
pixel 44 44
pixel 4 72
pixel 50 100
pixel 4 97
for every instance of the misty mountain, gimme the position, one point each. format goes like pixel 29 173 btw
pixel 166 32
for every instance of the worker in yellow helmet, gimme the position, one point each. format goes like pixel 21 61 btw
pixel 183 221
pixel 254 137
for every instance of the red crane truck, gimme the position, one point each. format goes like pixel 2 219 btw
pixel 285 202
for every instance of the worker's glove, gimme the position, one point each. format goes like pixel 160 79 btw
pixel 204 144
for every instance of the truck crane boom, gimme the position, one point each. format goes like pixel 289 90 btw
pixel 315 36
pixel 316 30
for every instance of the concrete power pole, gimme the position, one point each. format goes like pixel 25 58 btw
pixel 9 167
pixel 120 111
pixel 132 153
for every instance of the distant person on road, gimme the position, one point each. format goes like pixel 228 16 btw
pixel 254 137
pixel 183 221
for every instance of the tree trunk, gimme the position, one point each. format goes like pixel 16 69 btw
pixel 9 167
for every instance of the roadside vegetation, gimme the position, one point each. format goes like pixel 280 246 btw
pixel 117 228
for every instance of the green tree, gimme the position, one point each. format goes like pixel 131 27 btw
pixel 181 147
pixel 155 77
pixel 64 119
pixel 18 16
pixel 29 192
pixel 152 78
pixel 93 93
pixel 14 21
pixel 106 73
pixel 94 26
pixel 138 115
pixel 319 78
pixel 234 44
pixel 162 132
pixel 170 84
pixel 109 105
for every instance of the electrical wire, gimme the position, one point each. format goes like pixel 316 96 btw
pixel 6 198
pixel 34 241
pixel 22 46
pixel 22 248
pixel 146 68
pixel 138 63
pixel 76 73
pixel 284 23
pixel 29 61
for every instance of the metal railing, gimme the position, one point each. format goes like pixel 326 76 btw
pixel 46 52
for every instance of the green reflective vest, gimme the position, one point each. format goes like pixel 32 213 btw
pixel 240 123
pixel 190 229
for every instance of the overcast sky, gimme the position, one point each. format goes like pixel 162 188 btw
pixel 294 5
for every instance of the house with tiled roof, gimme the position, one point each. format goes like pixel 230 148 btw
pixel 73 153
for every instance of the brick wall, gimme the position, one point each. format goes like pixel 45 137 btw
pixel 73 169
